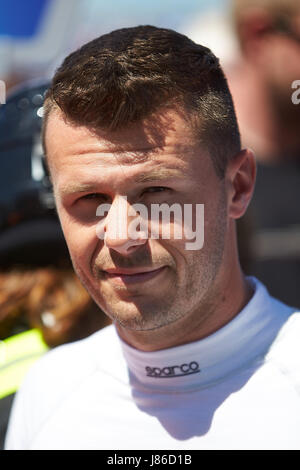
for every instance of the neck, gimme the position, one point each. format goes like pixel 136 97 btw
pixel 227 296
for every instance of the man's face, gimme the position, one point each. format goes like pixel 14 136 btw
pixel 144 283
pixel 282 67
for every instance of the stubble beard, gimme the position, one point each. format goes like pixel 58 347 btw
pixel 197 292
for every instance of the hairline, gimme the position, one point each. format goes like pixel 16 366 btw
pixel 192 122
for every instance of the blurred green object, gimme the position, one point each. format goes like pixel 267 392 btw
pixel 17 354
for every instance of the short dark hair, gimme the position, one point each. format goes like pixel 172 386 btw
pixel 126 75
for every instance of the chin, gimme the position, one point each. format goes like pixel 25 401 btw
pixel 134 319
pixel 145 319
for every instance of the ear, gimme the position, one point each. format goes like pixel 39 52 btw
pixel 240 180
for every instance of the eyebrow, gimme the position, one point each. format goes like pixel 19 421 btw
pixel 153 176
pixel 72 188
pixel 158 175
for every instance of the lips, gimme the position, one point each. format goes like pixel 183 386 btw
pixel 130 276
pixel 129 272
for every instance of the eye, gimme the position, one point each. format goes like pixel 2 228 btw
pixel 155 189
pixel 93 196
pixel 89 196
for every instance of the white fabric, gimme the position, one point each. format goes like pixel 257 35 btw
pixel 96 394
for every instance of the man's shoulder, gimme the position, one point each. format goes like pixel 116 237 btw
pixel 59 374
pixel 67 365
pixel 284 352
pixel 82 354
pixel 287 341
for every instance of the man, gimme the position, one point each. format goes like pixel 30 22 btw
pixel 199 357
pixel 264 87
pixel 268 33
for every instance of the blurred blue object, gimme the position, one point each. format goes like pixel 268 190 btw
pixel 21 19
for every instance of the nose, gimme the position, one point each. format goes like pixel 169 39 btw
pixel 117 233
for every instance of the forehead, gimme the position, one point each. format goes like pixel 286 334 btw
pixel 165 141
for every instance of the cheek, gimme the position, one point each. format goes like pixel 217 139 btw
pixel 198 230
pixel 285 63
pixel 81 239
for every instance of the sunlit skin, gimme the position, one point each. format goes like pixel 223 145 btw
pixel 158 293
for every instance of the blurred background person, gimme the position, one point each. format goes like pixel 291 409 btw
pixel 42 303
pixel 268 32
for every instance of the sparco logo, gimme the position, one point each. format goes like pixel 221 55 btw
pixel 173 371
